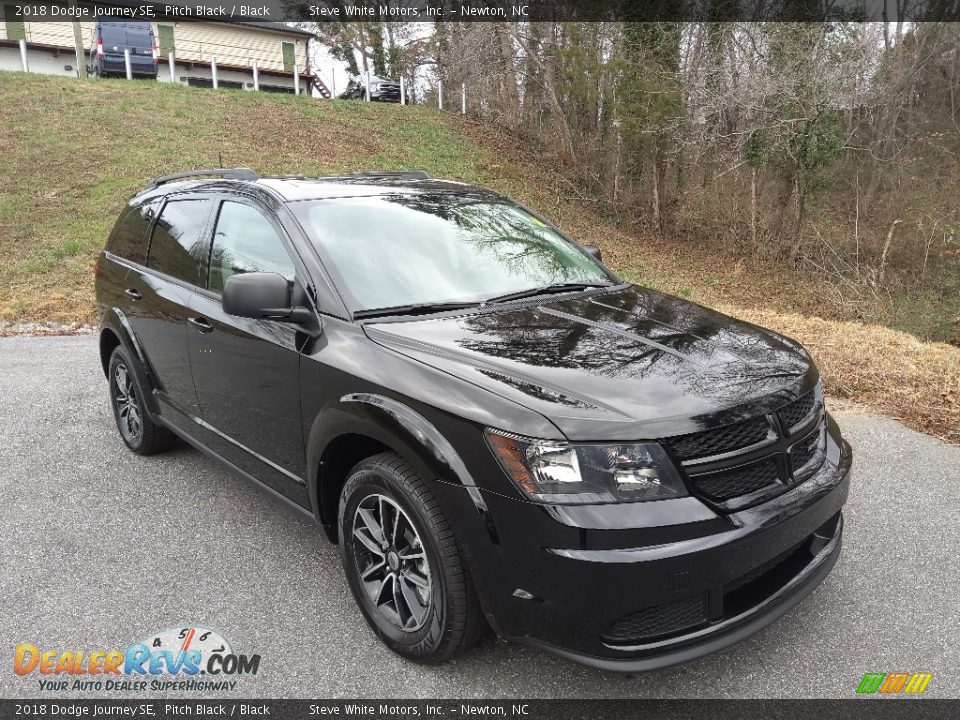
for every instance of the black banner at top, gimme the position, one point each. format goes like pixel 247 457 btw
pixel 323 11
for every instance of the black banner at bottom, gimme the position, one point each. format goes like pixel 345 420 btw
pixel 853 709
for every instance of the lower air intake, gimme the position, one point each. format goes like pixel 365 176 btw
pixel 658 621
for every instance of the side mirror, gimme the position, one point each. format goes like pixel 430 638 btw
pixel 594 251
pixel 261 295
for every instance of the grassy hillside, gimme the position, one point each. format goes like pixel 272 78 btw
pixel 74 151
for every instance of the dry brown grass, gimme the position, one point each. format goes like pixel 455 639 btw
pixel 80 149
pixel 893 372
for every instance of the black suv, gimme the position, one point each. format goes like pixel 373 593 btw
pixel 494 427
pixel 381 89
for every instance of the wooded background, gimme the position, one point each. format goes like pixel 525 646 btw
pixel 827 147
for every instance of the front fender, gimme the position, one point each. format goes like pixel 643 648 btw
pixel 396 426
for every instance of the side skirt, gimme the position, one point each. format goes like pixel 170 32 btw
pixel 266 489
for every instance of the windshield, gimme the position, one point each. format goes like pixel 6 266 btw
pixel 440 248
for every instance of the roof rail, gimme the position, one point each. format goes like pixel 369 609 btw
pixel 228 173
pixel 407 174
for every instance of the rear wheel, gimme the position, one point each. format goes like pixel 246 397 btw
pixel 403 565
pixel 127 397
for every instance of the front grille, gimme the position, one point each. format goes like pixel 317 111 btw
pixel 743 480
pixel 730 465
pixel 804 451
pixel 723 439
pixel 798 410
pixel 658 621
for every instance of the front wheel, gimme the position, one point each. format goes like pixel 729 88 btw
pixel 403 565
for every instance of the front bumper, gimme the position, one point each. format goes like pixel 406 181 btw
pixel 824 552
pixel 594 585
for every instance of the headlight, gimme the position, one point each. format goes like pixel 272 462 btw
pixel 552 471
pixel 374 87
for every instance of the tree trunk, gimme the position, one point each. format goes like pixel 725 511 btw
pixel 886 249
pixel 532 94
pixel 753 210
pixel 657 216
pixel 787 184
pixel 511 95
pixel 798 227
pixel 546 70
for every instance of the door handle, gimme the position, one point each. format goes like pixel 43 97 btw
pixel 201 324
pixel 132 293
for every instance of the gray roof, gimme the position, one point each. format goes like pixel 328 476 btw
pixel 275 26
pixel 293 189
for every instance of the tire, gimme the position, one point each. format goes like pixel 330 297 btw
pixel 423 608
pixel 128 389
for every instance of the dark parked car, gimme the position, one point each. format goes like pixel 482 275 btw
pixel 108 42
pixel 494 427
pixel 381 89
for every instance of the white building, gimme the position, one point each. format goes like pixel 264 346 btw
pixel 275 49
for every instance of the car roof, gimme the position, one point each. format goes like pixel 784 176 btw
pixel 294 189
pixel 299 188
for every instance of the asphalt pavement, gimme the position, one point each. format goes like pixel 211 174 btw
pixel 100 548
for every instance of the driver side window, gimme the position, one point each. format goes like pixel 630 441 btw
pixel 245 241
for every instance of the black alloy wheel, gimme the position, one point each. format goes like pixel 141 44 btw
pixel 403 564
pixel 391 562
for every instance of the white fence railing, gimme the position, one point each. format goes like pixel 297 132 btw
pixel 207 54
pixel 210 60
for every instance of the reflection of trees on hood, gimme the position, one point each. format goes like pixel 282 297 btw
pixel 698 349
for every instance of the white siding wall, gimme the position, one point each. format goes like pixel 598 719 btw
pixel 194 42
pixel 45 63
pixel 235 45
pixel 52 33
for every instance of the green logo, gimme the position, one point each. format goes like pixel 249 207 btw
pixel 894 683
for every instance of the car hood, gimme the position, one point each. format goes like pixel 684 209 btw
pixel 625 364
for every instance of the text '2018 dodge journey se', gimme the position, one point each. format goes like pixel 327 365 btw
pixel 494 427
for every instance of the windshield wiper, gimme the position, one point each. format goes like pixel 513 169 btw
pixel 426 308
pixel 416 309
pixel 544 290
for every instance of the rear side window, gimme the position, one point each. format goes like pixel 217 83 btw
pixel 176 248
pixel 129 237
pixel 245 241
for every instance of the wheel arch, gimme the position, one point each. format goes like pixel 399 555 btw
pixel 360 425
pixel 109 341
pixel 115 331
